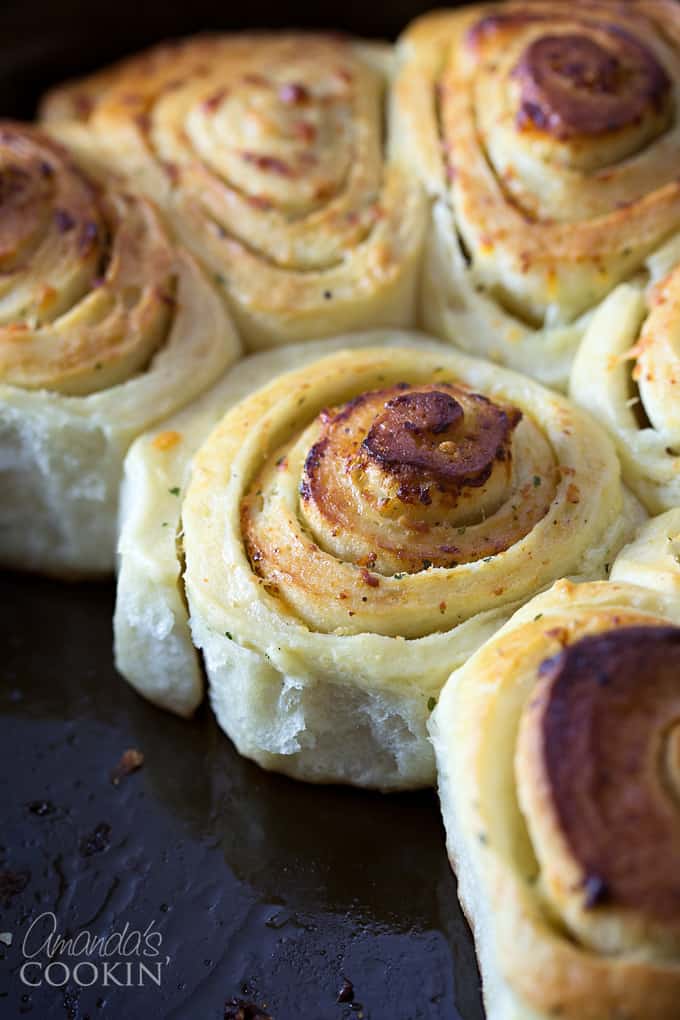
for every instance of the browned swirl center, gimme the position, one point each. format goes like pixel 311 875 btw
pixel 609 727
pixel 572 85
pixel 426 437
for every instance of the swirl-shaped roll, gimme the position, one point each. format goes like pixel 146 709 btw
pixel 547 135
pixel 268 154
pixel 356 528
pixel 104 328
pixel 558 753
pixel 627 373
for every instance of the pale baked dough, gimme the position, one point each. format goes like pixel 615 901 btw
pixel 627 373
pixel 345 696
pixel 537 208
pixel 152 639
pixel 268 154
pixel 105 328
pixel 542 952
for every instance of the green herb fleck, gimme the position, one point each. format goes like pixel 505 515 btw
pixel 227 634
pixel 174 491
pixel 538 617
pixel 431 702
pixel 537 481
pixel 427 564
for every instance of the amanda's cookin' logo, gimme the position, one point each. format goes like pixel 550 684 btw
pixel 128 958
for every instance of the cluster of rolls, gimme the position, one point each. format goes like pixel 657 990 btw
pixel 398 557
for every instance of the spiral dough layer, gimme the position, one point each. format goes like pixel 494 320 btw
pixel 87 282
pixel 105 327
pixel 558 748
pixel 627 373
pixel 548 138
pixel 267 151
pixel 354 524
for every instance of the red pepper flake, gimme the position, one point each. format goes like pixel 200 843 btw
pixel 212 102
pixel 304 130
pixel 239 1009
pixel 268 164
pixel 346 991
pixel 256 79
pixel 560 634
pixel 293 93
pixel 258 202
pixel 442 607
pixel 131 760
pixel 573 494
pixel 166 298
pixel 370 579
pixel 172 170
pixel 84 105
pixel 143 122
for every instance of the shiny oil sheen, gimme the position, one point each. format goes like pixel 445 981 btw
pixel 264 890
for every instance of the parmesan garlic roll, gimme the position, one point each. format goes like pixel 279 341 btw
pixel 548 140
pixel 105 327
pixel 269 155
pixel 558 754
pixel 354 530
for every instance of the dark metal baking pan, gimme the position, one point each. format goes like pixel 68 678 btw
pixel 305 903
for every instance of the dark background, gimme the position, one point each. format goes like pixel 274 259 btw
pixel 46 41
pixel 264 890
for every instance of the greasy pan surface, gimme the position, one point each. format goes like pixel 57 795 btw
pixel 262 890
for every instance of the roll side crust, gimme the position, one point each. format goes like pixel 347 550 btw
pixel 566 923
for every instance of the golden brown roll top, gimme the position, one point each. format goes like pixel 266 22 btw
pixel 597 81
pixel 549 134
pixel 359 526
pixel 106 326
pixel 414 467
pixel 598 762
pixel 87 284
pixel 558 753
pixel 411 505
pixel 394 482
pixel 268 151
